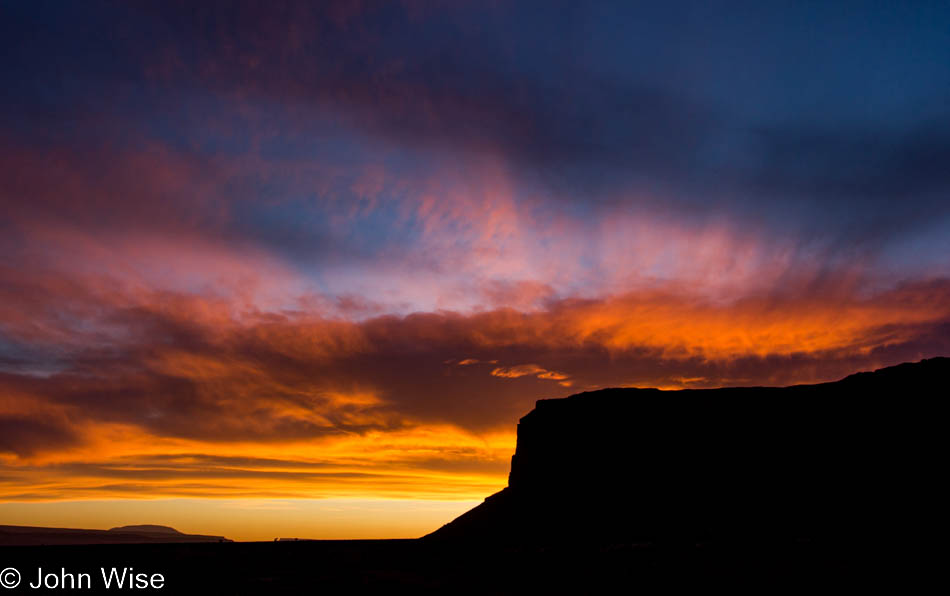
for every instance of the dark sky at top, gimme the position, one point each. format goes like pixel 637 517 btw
pixel 830 117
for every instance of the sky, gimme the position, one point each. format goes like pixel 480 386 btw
pixel 298 268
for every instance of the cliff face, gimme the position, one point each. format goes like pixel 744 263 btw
pixel 625 465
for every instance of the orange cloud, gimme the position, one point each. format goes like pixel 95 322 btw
pixel 437 462
pixel 167 360
pixel 523 370
pixel 470 361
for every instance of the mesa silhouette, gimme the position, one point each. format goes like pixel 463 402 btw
pixel 140 534
pixel 771 489
pixel 846 460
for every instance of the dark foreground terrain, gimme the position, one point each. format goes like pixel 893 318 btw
pixel 418 566
pixel 852 461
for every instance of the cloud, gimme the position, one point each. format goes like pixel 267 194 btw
pixel 24 435
pixel 471 361
pixel 523 370
pixel 198 368
pixel 275 252
pixel 432 462
pixel 582 123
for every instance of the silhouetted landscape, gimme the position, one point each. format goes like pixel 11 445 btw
pixel 30 535
pixel 752 464
pixel 745 487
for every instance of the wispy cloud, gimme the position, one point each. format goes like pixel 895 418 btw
pixel 523 370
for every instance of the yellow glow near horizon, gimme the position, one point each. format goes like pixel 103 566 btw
pixel 249 519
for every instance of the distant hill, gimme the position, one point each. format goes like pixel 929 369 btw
pixel 148 529
pixel 853 459
pixel 30 535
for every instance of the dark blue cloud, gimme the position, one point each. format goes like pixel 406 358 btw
pixel 834 118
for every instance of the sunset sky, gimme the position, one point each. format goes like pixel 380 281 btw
pixel 298 269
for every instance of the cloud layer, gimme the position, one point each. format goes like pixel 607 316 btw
pixel 337 251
